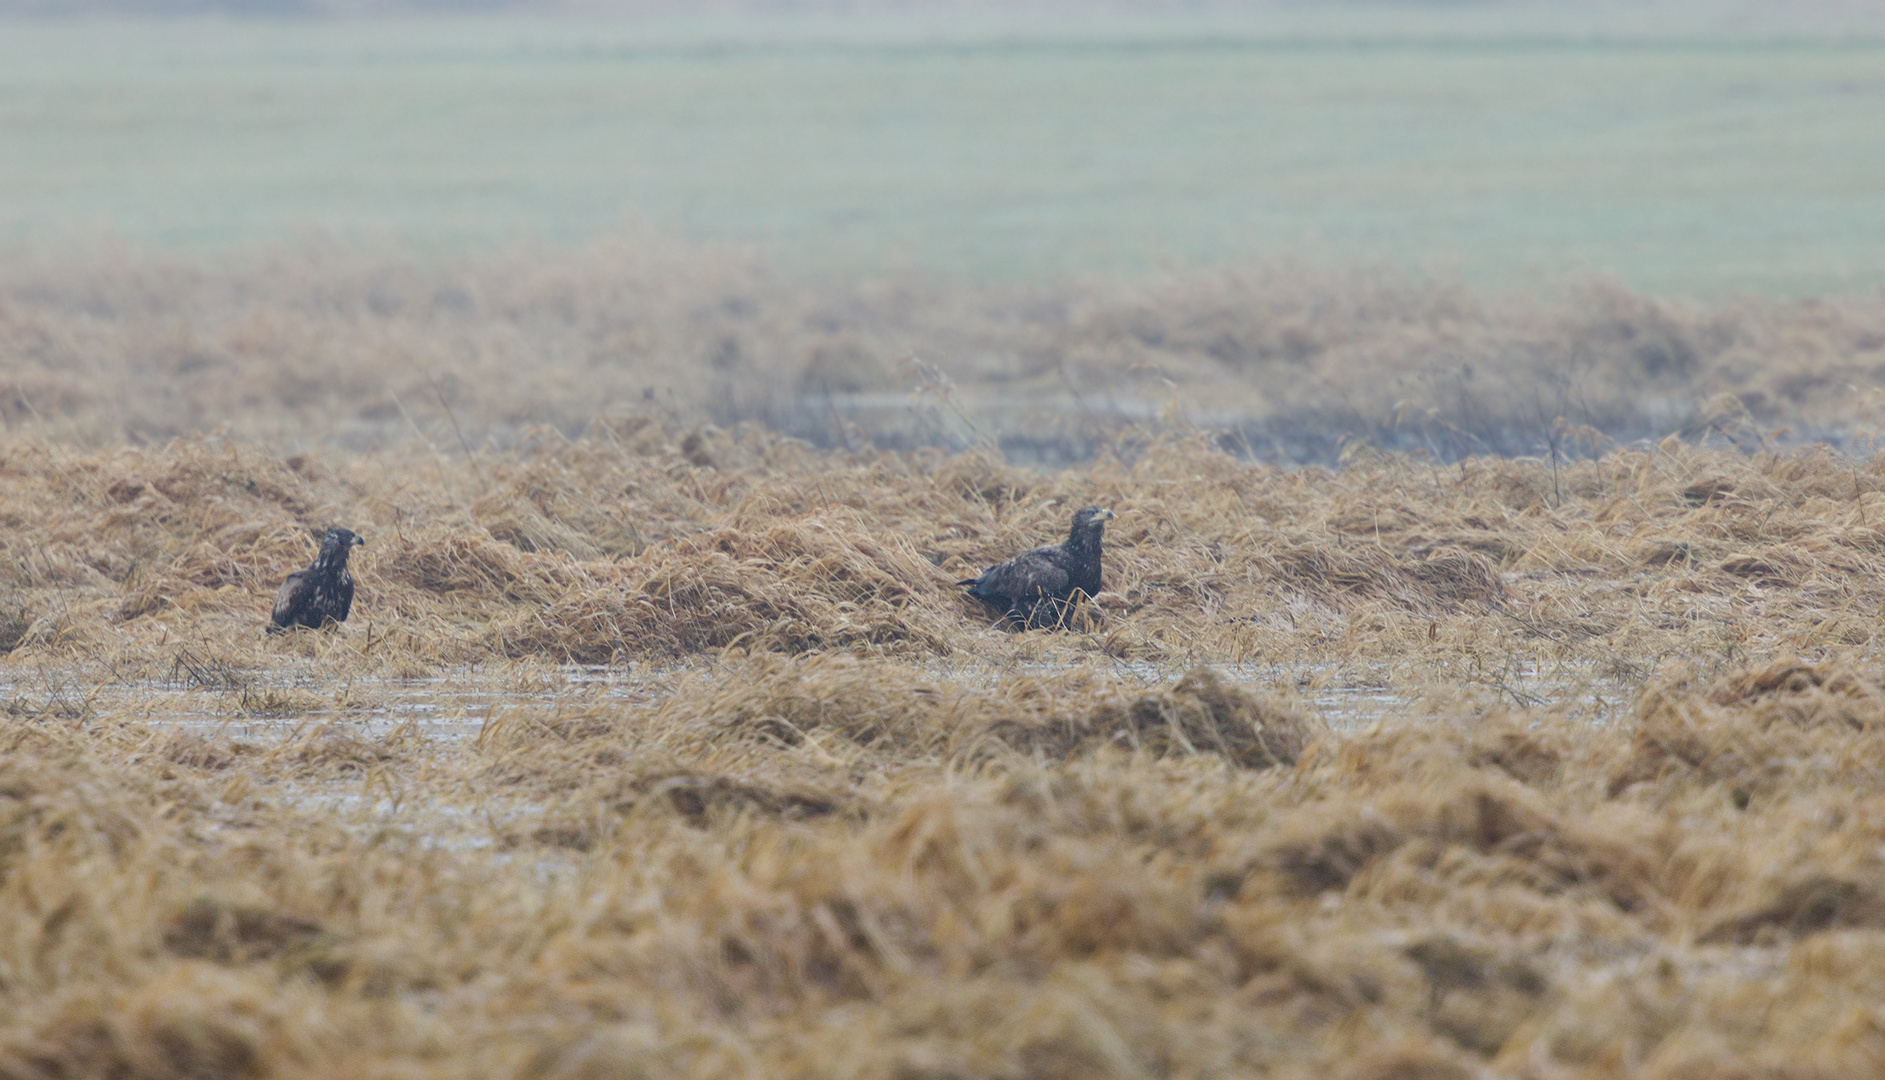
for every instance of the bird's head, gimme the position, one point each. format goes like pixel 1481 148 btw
pixel 1092 518
pixel 338 544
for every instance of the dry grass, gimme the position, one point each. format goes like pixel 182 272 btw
pixel 1616 811
pixel 604 549
pixel 839 866
pixel 844 826
pixel 318 346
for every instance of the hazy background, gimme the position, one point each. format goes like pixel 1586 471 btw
pixel 1454 229
pixel 1690 150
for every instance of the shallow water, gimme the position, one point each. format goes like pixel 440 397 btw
pixel 455 704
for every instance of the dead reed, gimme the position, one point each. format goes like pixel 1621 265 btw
pixel 837 866
pixel 317 345
pixel 597 550
pixel 845 826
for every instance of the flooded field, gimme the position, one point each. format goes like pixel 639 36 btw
pixel 668 752
pixel 1482 682
pixel 283 703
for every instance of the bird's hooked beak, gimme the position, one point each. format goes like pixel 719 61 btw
pixel 359 541
pixel 1107 515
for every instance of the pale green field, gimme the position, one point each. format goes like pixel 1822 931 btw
pixel 1686 154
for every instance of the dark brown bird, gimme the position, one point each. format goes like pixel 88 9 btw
pixel 1033 588
pixel 321 595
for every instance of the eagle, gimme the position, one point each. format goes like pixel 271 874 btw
pixel 322 594
pixel 1033 589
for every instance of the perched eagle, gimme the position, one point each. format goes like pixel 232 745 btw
pixel 1033 588
pixel 323 593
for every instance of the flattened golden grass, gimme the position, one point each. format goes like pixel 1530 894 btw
pixel 845 826
pixel 359 348
pixel 781 874
pixel 127 556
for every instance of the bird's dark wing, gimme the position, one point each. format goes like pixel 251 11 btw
pixel 1027 575
pixel 343 597
pixel 292 599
